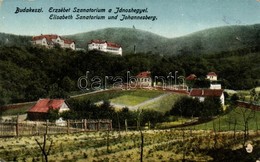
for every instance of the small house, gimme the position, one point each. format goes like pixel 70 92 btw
pixel 191 77
pixel 212 76
pixel 40 110
pixel 201 94
pixel 144 79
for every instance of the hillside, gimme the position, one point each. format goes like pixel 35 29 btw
pixel 11 40
pixel 213 40
pixel 128 38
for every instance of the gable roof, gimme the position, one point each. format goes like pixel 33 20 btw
pixel 109 44
pixel 206 92
pixel 211 74
pixel 97 41
pixel 43 105
pixel 50 37
pixel 67 41
pixel 144 74
pixel 191 77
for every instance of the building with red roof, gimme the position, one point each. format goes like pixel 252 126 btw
pixel 191 77
pixel 40 110
pixel 105 46
pixel 248 105
pixel 51 40
pixel 212 76
pixel 144 79
pixel 201 94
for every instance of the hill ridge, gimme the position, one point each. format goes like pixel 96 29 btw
pixel 207 41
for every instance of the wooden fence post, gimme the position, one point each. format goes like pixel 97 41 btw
pixel 85 125
pixel 68 126
pixel 126 129
pixel 111 127
pixel 17 126
pixel 36 128
pixel 98 125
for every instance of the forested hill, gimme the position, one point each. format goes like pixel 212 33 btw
pixel 29 73
pixel 216 40
pixel 213 40
pixel 14 40
pixel 128 38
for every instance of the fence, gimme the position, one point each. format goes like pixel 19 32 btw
pixel 30 128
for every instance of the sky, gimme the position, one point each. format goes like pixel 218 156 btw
pixel 174 18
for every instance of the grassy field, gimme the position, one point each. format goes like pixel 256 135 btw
pixel 110 94
pixel 234 120
pixel 129 100
pixel 133 98
pixel 164 104
pixel 102 95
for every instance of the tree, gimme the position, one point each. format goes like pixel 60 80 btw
pixel 187 107
pixel 45 152
pixel 211 107
pixel 201 83
pixel 67 84
pixel 106 110
pixel 68 115
pixel 192 107
pixel 53 114
pixel 151 117
pixel 247 114
pixel 55 91
pixel 234 98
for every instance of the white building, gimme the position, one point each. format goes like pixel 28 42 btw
pixel 201 94
pixel 215 86
pixel 105 46
pixel 212 76
pixel 51 40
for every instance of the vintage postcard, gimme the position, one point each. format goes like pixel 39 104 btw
pixel 129 80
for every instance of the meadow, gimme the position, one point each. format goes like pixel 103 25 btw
pixel 164 104
pixel 234 120
pixel 133 98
